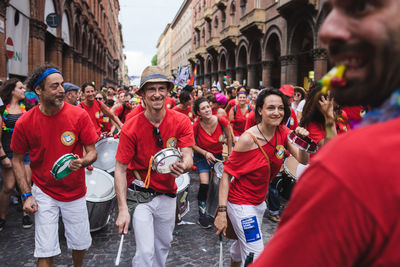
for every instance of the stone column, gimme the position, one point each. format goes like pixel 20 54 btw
pixel 68 65
pixel 84 70
pixel 251 75
pixel 77 68
pixel 37 36
pixel 266 73
pixel 320 57
pixel 289 69
pixel 239 74
pixel 207 80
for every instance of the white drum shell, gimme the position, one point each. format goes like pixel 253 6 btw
pixel 182 198
pixel 100 198
pixel 106 152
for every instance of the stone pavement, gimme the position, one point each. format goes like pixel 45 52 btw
pixel 191 246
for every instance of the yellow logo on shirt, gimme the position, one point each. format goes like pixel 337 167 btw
pixel 221 138
pixel 280 151
pixel 190 115
pixel 68 138
pixel 172 142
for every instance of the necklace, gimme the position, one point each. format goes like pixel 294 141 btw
pixel 7 111
pixel 274 147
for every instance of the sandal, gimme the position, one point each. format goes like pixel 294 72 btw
pixel 275 218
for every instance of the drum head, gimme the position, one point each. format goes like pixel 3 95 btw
pixel 100 186
pixel 182 182
pixel 60 167
pixel 290 166
pixel 219 169
pixel 106 151
pixel 163 165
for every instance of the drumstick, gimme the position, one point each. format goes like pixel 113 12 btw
pixel 137 175
pixel 119 250
pixel 221 255
pixel 219 160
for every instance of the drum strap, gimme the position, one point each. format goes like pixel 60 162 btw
pixel 147 180
pixel 260 147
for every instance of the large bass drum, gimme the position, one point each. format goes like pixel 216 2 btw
pixel 100 198
pixel 182 199
pixel 106 151
pixel 213 188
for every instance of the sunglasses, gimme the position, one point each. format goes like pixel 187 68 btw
pixel 157 135
pixel 98 98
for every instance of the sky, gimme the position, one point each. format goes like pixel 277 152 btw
pixel 143 22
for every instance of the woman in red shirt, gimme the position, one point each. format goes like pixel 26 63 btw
pixel 96 108
pixel 238 114
pixel 209 132
pixel 243 198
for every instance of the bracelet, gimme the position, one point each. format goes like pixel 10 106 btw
pixel 3 157
pixel 221 208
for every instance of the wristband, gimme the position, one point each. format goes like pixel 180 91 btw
pixel 3 157
pixel 26 195
pixel 221 208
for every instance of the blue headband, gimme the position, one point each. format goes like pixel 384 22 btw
pixel 154 76
pixel 44 74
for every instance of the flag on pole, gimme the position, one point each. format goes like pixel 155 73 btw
pixel 193 78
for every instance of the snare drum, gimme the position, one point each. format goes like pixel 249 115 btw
pixel 106 152
pixel 182 200
pixel 164 158
pixel 100 197
pixel 290 167
pixel 304 143
pixel 213 188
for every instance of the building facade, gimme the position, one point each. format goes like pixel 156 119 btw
pixel 181 28
pixel 259 43
pixel 81 37
pixel 164 51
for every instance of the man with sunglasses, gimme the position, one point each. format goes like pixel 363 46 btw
pixel 141 138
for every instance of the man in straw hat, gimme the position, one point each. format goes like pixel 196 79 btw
pixel 141 138
pixel 344 210
pixel 52 130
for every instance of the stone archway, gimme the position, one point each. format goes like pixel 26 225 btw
pixel 302 48
pixel 231 71
pixel 241 69
pixel 255 67
pixel 272 64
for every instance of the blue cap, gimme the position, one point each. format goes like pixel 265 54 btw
pixel 70 86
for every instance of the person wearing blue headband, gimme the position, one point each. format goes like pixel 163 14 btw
pixel 49 132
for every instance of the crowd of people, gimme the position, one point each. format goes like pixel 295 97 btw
pixel 343 208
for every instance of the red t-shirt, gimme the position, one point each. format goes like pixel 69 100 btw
pixel 169 102
pixel 233 102
pixel 188 112
pixel 279 140
pixel 212 143
pixel 317 131
pixel 47 138
pixel 118 112
pixel 344 208
pixel 292 122
pixel 250 120
pixel 250 185
pixel 137 144
pixel 135 111
pixel 95 115
pixel 239 120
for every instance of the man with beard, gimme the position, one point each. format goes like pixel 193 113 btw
pixel 141 138
pixel 49 131
pixel 344 209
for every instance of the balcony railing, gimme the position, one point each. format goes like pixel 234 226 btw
pixel 231 31
pixel 256 17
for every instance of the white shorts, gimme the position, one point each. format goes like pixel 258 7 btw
pixel 246 221
pixel 76 223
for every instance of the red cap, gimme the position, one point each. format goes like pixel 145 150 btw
pixel 287 90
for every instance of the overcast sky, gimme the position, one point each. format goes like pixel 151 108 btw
pixel 143 22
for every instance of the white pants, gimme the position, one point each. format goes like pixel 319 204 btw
pixel 153 223
pixel 246 221
pixel 75 219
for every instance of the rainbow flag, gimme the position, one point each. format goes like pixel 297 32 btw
pixel 193 78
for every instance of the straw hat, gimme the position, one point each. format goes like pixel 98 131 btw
pixel 153 74
pixel 235 84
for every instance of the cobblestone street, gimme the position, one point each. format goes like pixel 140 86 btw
pixel 191 246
